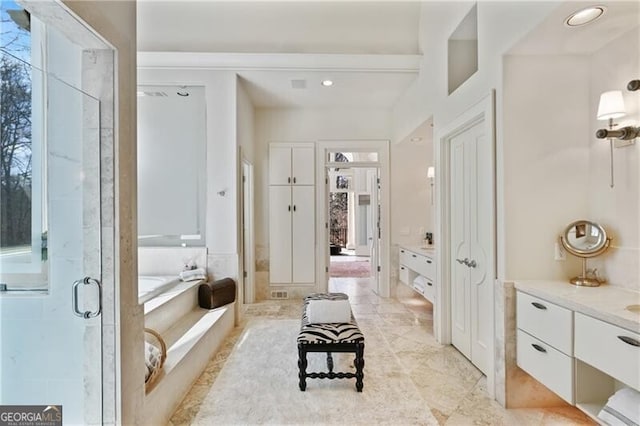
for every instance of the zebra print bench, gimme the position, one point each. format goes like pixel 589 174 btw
pixel 329 338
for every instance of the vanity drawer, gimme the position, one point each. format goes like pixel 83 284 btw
pixel 546 321
pixel 549 366
pixel 404 256
pixel 423 265
pixel 404 274
pixel 601 345
pixel 430 292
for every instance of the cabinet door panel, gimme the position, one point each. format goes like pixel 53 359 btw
pixel 303 225
pixel 549 366
pixel 302 166
pixel 603 346
pixel 279 165
pixel 280 234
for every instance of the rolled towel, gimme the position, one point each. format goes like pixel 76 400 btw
pixel 623 408
pixel 420 283
pixel 328 311
pixel 193 274
pixel 152 359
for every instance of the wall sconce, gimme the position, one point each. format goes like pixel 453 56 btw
pixel 612 106
pixel 431 174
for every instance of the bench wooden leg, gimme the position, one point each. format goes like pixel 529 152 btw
pixel 329 362
pixel 302 365
pixel 359 364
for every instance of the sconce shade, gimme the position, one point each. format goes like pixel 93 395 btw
pixel 431 172
pixel 611 105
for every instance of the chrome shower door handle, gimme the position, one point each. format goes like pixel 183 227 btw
pixel 74 296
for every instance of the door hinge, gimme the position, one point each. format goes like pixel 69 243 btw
pixel 326 269
pixel 326 181
pixel 378 268
pixel 378 181
pixel 326 225
pixel 244 178
pixel 244 274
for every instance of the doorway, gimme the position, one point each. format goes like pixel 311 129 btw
pixel 354 212
pixel 353 207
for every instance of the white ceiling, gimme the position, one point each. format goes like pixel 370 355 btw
pixel 348 27
pixel 552 37
pixel 350 33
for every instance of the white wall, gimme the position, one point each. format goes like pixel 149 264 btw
pixel 617 208
pixel 546 160
pixel 303 125
pixel 245 122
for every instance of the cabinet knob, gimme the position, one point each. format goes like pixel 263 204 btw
pixel 294 180
pixel 288 180
pixel 539 348
pixel 289 207
pixel 539 305
pixel 294 207
pixel 630 340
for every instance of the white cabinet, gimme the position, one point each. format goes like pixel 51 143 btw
pixel 545 343
pixel 292 248
pixel 291 164
pixel 609 348
pixel 414 265
pixel 582 359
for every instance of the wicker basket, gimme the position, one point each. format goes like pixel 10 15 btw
pixel 150 336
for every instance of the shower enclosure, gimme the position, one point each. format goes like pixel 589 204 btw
pixel 50 240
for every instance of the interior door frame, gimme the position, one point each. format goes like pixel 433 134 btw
pixel 481 112
pixel 247 225
pixel 323 147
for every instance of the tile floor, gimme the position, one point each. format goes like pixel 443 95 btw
pixel 450 385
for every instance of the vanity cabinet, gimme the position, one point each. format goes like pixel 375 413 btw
pixel 414 264
pixel 545 344
pixel 610 349
pixel 580 342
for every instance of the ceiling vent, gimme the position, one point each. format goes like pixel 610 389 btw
pixel 299 84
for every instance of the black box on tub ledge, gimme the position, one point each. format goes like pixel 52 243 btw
pixel 217 293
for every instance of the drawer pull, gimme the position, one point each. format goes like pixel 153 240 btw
pixel 414 255
pixel 428 261
pixel 539 348
pixel 429 283
pixel 402 267
pixel 539 305
pixel 629 340
pixel 401 251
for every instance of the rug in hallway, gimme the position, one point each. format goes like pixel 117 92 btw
pixel 259 384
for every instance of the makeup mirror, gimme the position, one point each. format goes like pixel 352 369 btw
pixel 585 239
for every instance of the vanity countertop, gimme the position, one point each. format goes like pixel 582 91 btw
pixel 429 251
pixel 606 302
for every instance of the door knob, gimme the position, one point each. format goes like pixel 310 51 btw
pixel 472 264
pixel 460 261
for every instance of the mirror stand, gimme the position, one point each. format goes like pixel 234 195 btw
pixel 585 280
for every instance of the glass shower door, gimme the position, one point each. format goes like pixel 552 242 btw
pixel 50 298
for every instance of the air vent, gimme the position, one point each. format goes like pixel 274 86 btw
pixel 156 94
pixel 279 294
pixel 299 84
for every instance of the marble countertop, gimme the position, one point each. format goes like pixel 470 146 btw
pixel 606 302
pixel 429 251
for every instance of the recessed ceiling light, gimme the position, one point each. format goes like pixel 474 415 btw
pixel 416 139
pixel 327 83
pixel 584 16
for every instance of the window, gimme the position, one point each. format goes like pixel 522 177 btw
pixel 23 233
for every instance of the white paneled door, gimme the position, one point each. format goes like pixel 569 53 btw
pixel 280 238
pixel 303 226
pixel 471 224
